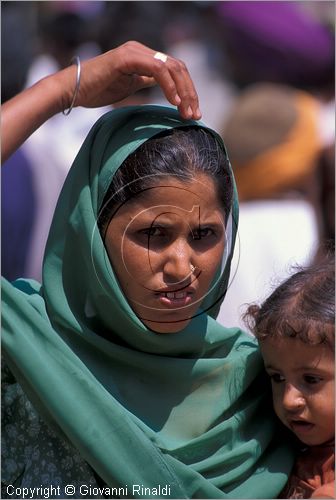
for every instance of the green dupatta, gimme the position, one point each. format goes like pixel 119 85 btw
pixel 187 410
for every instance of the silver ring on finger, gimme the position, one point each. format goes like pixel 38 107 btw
pixel 162 57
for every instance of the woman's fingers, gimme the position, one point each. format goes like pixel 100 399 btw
pixel 122 71
pixel 145 81
pixel 171 74
pixel 183 88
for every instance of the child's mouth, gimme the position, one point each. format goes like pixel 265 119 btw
pixel 301 426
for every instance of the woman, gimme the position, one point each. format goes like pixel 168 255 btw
pixel 125 385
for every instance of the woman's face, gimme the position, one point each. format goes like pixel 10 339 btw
pixel 165 247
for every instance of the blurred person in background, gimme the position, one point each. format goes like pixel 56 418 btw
pixel 290 43
pixel 284 43
pixel 326 182
pixel 133 20
pixel 278 42
pixel 275 146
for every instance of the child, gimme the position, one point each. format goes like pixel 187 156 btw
pixel 295 330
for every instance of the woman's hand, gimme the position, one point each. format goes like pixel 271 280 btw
pixel 112 76
pixel 105 79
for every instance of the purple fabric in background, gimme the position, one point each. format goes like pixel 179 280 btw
pixel 18 208
pixel 276 41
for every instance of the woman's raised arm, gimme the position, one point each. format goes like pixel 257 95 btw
pixel 105 79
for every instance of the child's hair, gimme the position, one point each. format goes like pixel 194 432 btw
pixel 302 307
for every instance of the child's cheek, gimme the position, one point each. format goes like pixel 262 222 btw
pixel 278 401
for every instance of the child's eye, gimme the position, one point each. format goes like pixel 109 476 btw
pixel 312 379
pixel 276 378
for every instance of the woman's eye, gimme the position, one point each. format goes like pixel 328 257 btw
pixel 276 378
pixel 202 232
pixel 312 379
pixel 153 231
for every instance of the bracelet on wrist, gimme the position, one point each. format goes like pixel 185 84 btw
pixel 75 60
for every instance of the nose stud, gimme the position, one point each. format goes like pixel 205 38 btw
pixel 192 268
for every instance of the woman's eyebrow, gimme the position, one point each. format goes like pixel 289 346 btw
pixel 215 226
pixel 170 224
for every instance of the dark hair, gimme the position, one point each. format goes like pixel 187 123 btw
pixel 302 307
pixel 180 153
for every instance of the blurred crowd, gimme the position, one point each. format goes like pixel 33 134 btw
pixel 264 72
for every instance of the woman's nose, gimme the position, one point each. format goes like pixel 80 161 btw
pixel 293 399
pixel 178 262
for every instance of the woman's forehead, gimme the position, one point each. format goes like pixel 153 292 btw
pixel 191 195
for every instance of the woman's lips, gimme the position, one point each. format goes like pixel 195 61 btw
pixel 175 299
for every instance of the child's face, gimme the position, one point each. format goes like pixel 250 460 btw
pixel 302 378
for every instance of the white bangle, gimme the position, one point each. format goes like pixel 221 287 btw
pixel 76 60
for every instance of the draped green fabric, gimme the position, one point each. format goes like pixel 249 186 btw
pixel 189 410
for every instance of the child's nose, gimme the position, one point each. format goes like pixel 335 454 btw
pixel 293 399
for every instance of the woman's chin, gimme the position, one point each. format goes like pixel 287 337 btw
pixel 166 320
pixel 166 327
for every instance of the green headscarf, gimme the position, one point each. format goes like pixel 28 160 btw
pixel 185 410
